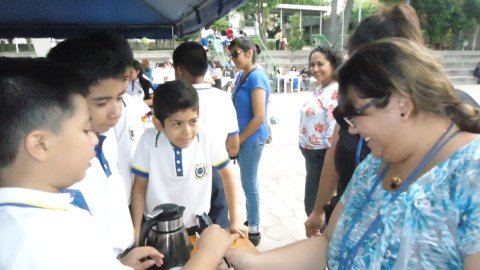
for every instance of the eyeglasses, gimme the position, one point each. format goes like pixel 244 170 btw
pixel 235 54
pixel 360 111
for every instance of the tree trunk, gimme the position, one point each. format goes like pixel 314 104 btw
pixel 475 36
pixel 338 35
pixel 333 20
pixel 259 10
pixel 348 14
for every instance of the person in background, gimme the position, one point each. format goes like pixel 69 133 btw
pixel 476 73
pixel 348 150
pixel 169 72
pixel 305 79
pixel 139 86
pixel 136 117
pixel 158 74
pixel 204 33
pixel 146 68
pixel 317 121
pixel 250 98
pixel 278 39
pixel 413 202
pixel 294 70
pixel 45 224
pixel 293 74
pixel 229 33
pixel 217 75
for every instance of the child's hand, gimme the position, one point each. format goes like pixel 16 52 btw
pixel 217 239
pixel 141 258
pixel 241 229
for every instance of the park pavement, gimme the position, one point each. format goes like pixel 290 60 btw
pixel 282 173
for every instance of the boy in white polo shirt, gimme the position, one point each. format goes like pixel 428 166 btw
pixel 172 163
pixel 217 116
pixel 103 60
pixel 136 117
pixel 47 142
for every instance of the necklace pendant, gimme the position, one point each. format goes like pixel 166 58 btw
pixel 396 181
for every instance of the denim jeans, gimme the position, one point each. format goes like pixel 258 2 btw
pixel 248 160
pixel 313 163
pixel 218 204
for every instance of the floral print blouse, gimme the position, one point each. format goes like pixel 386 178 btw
pixel 316 118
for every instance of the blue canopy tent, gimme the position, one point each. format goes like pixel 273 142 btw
pixel 156 19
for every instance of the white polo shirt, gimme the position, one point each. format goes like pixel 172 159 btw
pixel 180 176
pixel 217 114
pixel 128 130
pixel 106 198
pixel 55 235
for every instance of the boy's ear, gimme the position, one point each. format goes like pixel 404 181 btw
pixel 157 124
pixel 36 145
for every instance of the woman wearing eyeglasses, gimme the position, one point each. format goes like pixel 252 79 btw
pixel 413 202
pixel 317 121
pixel 348 150
pixel 250 97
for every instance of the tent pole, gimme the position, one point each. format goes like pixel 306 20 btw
pixel 174 40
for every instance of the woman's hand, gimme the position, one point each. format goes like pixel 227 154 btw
pixel 314 223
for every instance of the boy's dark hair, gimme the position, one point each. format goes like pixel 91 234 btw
pixel 191 56
pixel 173 96
pixel 95 56
pixel 34 94
pixel 138 67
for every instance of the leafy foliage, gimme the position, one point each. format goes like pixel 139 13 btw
pixel 444 20
pixel 296 40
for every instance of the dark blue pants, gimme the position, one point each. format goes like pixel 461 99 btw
pixel 218 204
pixel 314 164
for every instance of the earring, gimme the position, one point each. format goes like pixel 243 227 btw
pixel 402 114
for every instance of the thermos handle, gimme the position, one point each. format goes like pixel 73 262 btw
pixel 147 226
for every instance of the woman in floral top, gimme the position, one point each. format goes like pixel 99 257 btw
pixel 317 121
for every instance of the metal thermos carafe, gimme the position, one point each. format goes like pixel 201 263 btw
pixel 165 231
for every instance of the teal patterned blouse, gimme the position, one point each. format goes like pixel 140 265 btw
pixel 433 224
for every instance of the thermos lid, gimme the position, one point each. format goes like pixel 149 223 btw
pixel 171 211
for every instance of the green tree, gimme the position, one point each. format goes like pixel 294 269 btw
pixel 367 8
pixel 442 20
pixel 296 40
pixel 472 11
pixel 261 9
pixel 221 23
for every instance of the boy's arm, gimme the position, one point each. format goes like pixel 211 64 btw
pixel 139 190
pixel 228 180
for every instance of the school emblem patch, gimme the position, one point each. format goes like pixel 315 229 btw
pixel 201 171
